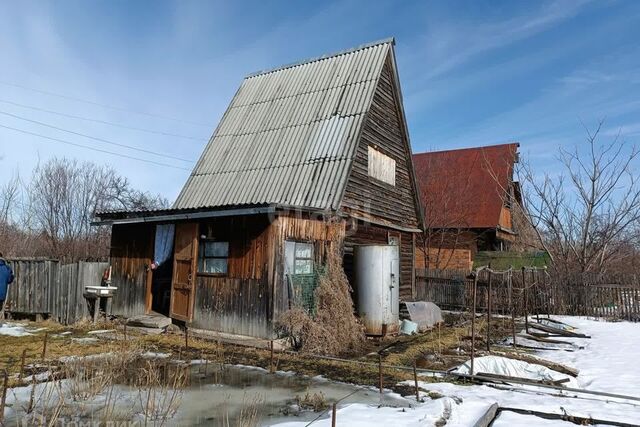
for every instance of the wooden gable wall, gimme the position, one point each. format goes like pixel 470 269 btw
pixel 370 198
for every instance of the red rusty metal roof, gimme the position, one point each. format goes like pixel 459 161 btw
pixel 464 188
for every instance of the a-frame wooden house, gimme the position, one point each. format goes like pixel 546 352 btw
pixel 306 156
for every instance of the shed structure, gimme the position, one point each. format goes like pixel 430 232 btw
pixel 306 156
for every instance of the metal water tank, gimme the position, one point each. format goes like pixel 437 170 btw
pixel 377 275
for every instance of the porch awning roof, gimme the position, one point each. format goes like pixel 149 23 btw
pixel 165 215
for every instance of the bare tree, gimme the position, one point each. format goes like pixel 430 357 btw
pixel 445 217
pixel 587 214
pixel 8 200
pixel 63 197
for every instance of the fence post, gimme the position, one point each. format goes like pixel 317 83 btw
pixel 415 381
pixel 380 372
pixel 511 306
pixel 22 361
pixel 473 320
pixel 489 313
pixel 44 346
pixel 4 395
pixel 534 283
pixel 333 414
pixel 526 311
pixel 271 364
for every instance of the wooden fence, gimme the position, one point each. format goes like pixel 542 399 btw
pixel 44 286
pixel 535 291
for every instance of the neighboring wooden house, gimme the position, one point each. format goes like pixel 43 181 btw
pixel 306 156
pixel 469 198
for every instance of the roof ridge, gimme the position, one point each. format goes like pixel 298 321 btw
pixel 390 40
pixel 516 143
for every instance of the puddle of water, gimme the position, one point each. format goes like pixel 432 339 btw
pixel 214 395
pixel 223 395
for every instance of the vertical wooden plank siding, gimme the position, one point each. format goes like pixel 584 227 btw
pixel 237 303
pixel 323 234
pixel 49 288
pixel 131 254
pixel 253 293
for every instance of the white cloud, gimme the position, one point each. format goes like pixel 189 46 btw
pixel 450 43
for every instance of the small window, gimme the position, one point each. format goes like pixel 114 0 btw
pixel 382 167
pixel 213 257
pixel 303 258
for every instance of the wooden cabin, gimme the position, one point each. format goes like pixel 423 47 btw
pixel 469 200
pixel 306 156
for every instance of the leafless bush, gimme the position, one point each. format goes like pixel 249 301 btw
pixel 88 377
pixel 313 401
pixel 334 329
pixel 249 415
pixel 160 390
pixel 98 389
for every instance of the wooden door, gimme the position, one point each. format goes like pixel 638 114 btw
pixel 184 271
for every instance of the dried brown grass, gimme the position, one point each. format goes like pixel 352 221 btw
pixel 334 330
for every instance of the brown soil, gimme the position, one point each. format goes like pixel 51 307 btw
pixel 440 348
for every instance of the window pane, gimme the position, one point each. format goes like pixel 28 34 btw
pixel 304 250
pixel 215 265
pixel 220 249
pixel 303 266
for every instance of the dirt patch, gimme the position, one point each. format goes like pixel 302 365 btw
pixel 437 349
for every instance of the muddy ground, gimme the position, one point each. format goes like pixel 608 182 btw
pixel 441 348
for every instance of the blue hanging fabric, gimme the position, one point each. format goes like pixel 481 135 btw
pixel 164 243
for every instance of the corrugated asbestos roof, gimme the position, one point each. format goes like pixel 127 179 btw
pixel 289 135
pixel 465 188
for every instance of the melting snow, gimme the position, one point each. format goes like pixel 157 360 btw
pixel 14 330
pixel 514 368
pixel 605 362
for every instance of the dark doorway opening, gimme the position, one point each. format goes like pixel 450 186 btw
pixel 161 288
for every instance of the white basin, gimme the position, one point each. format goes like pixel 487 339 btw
pixel 100 290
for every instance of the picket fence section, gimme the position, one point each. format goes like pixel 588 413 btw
pixel 536 291
pixel 44 286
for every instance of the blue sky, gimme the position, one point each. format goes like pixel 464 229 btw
pixel 472 73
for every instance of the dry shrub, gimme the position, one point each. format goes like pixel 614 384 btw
pixel 312 401
pixel 160 390
pixel 249 415
pixel 334 330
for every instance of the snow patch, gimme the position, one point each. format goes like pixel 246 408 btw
pixel 514 368
pixel 100 331
pixel 14 330
pixel 155 355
